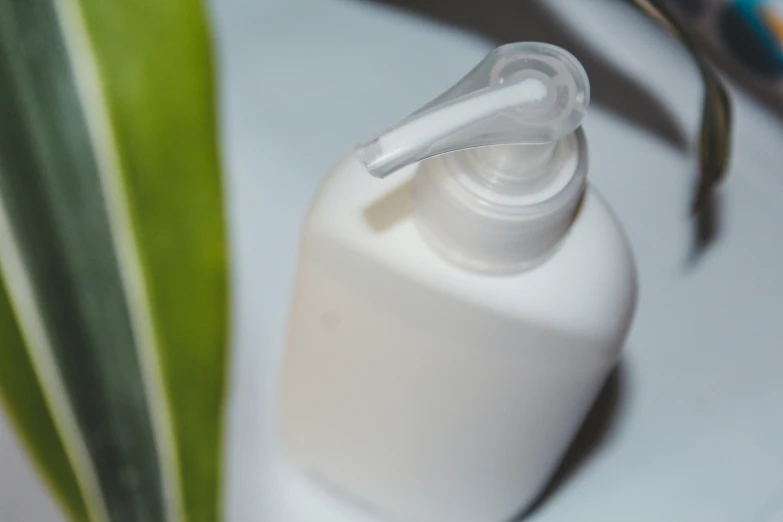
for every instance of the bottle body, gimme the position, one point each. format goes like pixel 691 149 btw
pixel 429 393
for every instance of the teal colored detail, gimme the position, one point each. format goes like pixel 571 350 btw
pixel 747 35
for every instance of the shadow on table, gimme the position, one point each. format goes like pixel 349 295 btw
pixel 591 436
pixel 504 21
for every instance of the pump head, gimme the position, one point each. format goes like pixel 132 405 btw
pixel 506 159
pixel 522 93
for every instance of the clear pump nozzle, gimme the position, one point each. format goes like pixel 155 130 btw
pixel 523 93
pixel 508 158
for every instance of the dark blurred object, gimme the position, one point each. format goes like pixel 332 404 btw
pixel 750 40
pixel 715 136
pixel 691 7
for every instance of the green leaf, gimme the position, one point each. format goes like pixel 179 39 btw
pixel 112 253
pixel 21 395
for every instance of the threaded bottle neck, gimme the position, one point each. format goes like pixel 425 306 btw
pixel 501 209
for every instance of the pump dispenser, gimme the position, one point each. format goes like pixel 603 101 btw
pixel 505 198
pixel 452 325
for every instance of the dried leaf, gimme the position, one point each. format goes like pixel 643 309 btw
pixel 715 138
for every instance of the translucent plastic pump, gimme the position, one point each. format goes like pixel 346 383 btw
pixel 522 93
pixel 508 158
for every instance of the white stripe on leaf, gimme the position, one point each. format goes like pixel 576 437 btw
pixel 90 91
pixel 36 338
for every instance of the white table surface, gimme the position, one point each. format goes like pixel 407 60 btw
pixel 691 426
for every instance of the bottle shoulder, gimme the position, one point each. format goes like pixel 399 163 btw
pixel 587 287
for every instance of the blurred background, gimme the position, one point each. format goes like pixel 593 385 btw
pixel 689 427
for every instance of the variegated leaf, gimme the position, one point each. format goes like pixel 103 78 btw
pixel 113 303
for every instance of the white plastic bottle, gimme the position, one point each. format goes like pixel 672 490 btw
pixel 452 325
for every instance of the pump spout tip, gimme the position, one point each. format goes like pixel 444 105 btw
pixel 521 93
